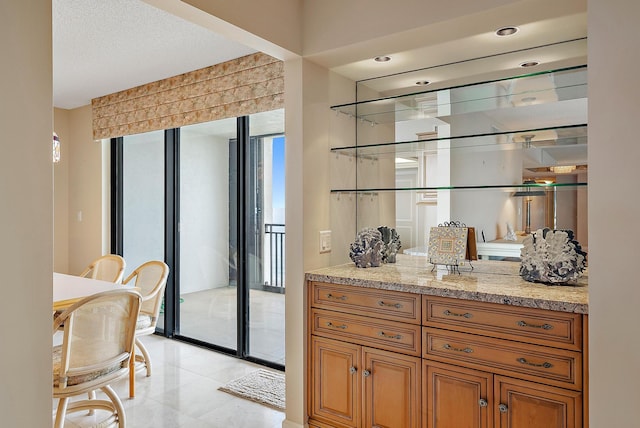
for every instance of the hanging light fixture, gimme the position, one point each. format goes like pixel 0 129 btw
pixel 56 148
pixel 562 169
pixel 528 193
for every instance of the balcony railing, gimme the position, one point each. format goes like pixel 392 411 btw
pixel 274 234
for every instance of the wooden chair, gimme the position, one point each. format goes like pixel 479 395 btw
pixel 109 267
pixel 150 279
pixel 98 335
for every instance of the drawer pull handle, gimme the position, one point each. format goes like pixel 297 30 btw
pixel 545 365
pixel 366 373
pixel 352 370
pixel 466 315
pixel 544 326
pixel 330 324
pixel 483 402
pixel 390 336
pixel 331 296
pixel 392 305
pixel 503 408
pixel 451 348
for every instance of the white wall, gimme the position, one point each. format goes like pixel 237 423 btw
pixel 614 209
pixel 26 213
pixel 295 326
pixel 61 193
pixel 85 191
pixel 204 211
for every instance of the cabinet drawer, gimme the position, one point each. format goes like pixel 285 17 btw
pixel 539 326
pixel 389 335
pixel 392 305
pixel 557 367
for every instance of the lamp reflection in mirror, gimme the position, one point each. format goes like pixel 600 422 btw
pixel 528 193
pixel 56 148
pixel 563 169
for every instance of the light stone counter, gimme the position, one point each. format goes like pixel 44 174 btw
pixel 489 281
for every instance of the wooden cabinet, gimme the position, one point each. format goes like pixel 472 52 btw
pixel 334 385
pixel 532 359
pixel 364 370
pixel 455 397
pixel 525 404
pixel 391 389
pixel 381 358
pixel 348 381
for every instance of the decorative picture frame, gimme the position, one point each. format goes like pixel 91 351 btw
pixel 447 245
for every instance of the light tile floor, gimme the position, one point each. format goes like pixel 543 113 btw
pixel 210 316
pixel 182 392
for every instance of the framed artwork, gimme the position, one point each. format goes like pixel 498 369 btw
pixel 447 245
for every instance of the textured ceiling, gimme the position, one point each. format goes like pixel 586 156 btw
pixel 102 47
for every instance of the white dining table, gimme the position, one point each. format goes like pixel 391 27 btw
pixel 68 289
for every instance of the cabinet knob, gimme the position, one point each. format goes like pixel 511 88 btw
pixel 503 408
pixel 483 403
pixel 366 373
pixel 352 370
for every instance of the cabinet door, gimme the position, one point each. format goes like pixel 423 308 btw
pixel 525 404
pixel 391 389
pixel 335 384
pixel 456 397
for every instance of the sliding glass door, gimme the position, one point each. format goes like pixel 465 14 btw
pixel 142 196
pixel 265 231
pixel 209 200
pixel 208 256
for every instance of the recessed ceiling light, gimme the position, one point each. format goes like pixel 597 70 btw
pixel 422 82
pixel 506 31
pixel 382 58
pixel 529 64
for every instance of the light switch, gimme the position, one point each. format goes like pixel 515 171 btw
pixel 325 241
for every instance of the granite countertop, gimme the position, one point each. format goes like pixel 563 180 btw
pixel 489 281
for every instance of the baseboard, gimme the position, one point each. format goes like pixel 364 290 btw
pixel 288 424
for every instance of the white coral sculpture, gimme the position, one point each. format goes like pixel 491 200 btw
pixel 551 256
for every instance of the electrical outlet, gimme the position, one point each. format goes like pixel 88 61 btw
pixel 325 241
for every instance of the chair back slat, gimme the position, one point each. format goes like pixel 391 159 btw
pixel 109 267
pixel 150 279
pixel 98 333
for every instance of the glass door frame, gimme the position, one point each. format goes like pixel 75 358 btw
pixel 172 235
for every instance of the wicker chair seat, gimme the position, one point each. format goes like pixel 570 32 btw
pixel 75 380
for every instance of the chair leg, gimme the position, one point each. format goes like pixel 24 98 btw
pixel 145 355
pixel 122 419
pixel 61 413
pixel 132 373
pixel 92 396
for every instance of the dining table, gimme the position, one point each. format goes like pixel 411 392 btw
pixel 69 289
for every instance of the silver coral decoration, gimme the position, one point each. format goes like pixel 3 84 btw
pixel 367 249
pixel 392 244
pixel 551 256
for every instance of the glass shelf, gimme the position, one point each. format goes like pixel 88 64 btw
pixel 498 187
pixel 529 94
pixel 463 148
pixel 573 137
